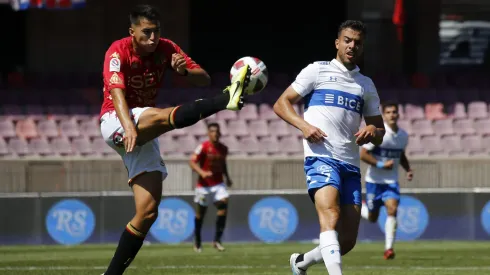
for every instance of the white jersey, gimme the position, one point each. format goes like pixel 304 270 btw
pixel 336 99
pixel 393 146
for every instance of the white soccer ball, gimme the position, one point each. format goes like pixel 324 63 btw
pixel 259 76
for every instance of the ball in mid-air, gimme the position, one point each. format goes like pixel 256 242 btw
pixel 259 75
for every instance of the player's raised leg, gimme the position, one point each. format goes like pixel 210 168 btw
pixel 147 189
pixel 154 121
pixel 390 227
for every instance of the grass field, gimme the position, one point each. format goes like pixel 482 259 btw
pixel 434 258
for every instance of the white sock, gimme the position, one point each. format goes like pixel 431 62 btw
pixel 330 249
pixel 390 230
pixel 310 258
pixel 364 211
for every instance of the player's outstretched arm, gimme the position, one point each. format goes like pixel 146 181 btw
pixel 122 112
pixel 284 109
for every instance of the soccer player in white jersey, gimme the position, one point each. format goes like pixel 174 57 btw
pixel 336 96
pixel 382 175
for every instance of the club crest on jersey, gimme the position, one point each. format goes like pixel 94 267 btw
pixel 115 79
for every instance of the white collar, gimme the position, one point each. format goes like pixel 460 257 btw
pixel 343 68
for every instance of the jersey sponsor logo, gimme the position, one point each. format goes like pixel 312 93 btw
pixel 175 222
pixel 70 222
pixel 146 81
pixel 387 152
pixel 335 98
pixel 412 218
pixel 485 217
pixel 273 219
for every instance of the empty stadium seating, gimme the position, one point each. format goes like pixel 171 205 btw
pixel 448 117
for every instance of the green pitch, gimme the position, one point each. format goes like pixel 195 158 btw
pixel 431 258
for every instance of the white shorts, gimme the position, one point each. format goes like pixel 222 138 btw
pixel 144 158
pixel 204 195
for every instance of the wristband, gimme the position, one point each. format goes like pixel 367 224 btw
pixel 380 164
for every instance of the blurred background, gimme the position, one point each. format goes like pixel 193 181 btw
pixel 432 57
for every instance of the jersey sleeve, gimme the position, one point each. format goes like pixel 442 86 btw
pixel 371 101
pixel 306 80
pixel 174 48
pixel 197 156
pixel 368 146
pixel 114 66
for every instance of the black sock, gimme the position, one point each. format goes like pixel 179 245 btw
pixel 197 231
pixel 190 113
pixel 129 245
pixel 220 227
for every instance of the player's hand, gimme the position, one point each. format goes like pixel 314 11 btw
pixel 313 134
pixel 389 164
pixel 410 175
pixel 178 63
pixel 206 174
pixel 129 139
pixel 365 135
pixel 229 183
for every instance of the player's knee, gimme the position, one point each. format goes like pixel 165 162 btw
pixel 391 211
pixel 222 207
pixel 329 218
pixel 148 214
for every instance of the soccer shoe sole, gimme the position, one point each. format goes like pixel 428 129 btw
pixel 292 263
pixel 237 89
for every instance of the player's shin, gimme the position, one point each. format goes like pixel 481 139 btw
pixel 330 250
pixel 190 113
pixel 129 244
pixel 220 222
pixel 197 232
pixel 390 232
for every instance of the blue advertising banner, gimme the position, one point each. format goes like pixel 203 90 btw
pixel 251 218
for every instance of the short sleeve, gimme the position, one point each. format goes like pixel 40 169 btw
pixel 197 153
pixel 114 65
pixel 174 48
pixel 305 81
pixel 368 146
pixel 371 101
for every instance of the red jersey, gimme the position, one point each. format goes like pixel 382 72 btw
pixel 139 76
pixel 212 158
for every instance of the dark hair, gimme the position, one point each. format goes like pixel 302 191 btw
pixel 353 24
pixel 144 11
pixel 389 104
pixel 213 124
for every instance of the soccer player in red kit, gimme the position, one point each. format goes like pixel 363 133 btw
pixel 130 123
pixel 209 161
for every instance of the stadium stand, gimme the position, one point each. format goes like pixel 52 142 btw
pixel 440 115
